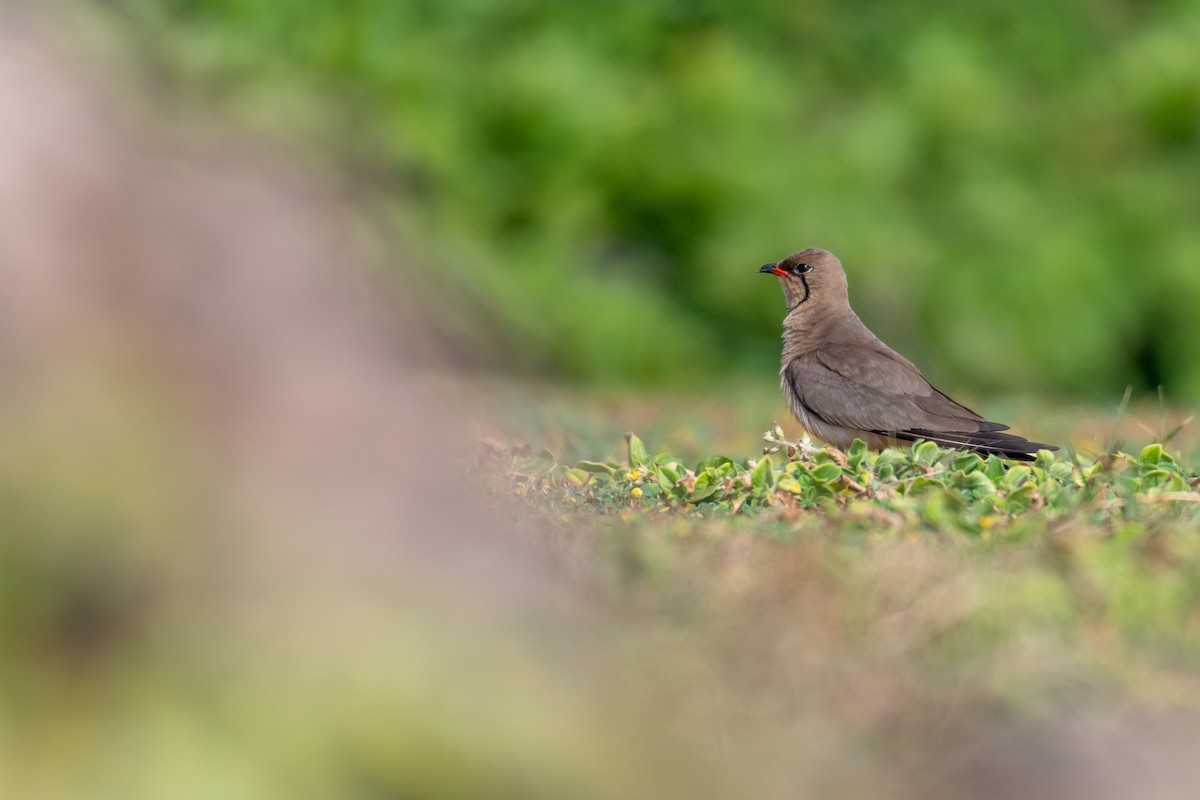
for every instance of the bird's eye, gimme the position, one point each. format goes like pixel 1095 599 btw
pixel 803 268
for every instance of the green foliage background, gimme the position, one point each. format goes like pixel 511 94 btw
pixel 1014 187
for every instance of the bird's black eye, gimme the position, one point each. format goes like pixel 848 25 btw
pixel 803 268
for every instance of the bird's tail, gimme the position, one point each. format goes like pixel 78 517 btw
pixel 985 442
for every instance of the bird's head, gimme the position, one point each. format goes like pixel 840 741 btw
pixel 810 276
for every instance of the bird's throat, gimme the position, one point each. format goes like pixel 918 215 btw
pixel 802 300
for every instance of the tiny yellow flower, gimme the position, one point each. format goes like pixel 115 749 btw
pixel 637 492
pixel 633 474
pixel 520 491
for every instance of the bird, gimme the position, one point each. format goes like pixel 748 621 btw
pixel 843 383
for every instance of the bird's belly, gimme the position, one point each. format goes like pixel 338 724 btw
pixel 840 437
pixel 835 435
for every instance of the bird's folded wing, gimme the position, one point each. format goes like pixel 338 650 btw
pixel 867 389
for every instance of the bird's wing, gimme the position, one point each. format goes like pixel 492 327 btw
pixel 871 390
pixel 868 389
pixel 857 386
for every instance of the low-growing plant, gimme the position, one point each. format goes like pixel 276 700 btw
pixel 920 487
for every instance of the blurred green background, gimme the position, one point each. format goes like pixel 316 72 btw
pixel 1014 187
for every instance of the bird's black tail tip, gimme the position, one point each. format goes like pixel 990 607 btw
pixel 985 442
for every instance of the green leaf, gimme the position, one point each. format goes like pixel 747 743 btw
pixel 538 464
pixel 670 470
pixel 636 450
pixel 934 509
pixel 1152 454
pixel 827 473
pixel 926 453
pixel 977 484
pixel 706 486
pixel 1016 477
pixel 789 484
pixel 595 466
pixel 577 477
pixel 856 454
pixel 967 462
pixel 920 484
pixel 763 477
pixel 713 462
pixel 892 457
pixel 667 478
pixel 995 468
pixel 1156 478
pixel 652 490
pixel 1063 472
pixel 1019 501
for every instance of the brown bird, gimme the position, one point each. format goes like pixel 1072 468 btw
pixel 842 383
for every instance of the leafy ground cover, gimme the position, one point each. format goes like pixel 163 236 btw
pixel 922 487
pixel 973 625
